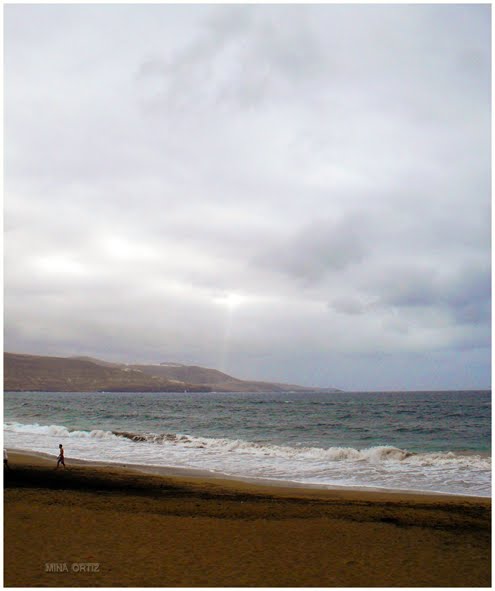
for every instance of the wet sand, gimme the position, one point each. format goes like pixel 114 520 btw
pixel 115 527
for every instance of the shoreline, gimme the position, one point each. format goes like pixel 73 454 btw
pixel 172 471
pixel 155 530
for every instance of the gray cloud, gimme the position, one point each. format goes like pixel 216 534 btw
pixel 243 54
pixel 317 249
pixel 325 169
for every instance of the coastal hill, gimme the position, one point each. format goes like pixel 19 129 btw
pixel 85 374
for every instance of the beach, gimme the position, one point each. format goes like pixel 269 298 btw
pixel 103 525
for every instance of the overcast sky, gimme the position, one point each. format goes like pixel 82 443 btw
pixel 292 193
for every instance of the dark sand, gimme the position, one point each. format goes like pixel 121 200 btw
pixel 179 531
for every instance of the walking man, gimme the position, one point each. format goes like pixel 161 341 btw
pixel 61 459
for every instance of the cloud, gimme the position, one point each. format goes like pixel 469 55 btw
pixel 327 165
pixel 320 247
pixel 242 58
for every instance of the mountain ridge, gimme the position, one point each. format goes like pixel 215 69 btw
pixel 26 372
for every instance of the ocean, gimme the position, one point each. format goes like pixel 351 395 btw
pixel 420 441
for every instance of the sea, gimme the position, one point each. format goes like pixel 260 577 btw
pixel 410 441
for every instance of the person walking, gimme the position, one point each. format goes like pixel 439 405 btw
pixel 60 459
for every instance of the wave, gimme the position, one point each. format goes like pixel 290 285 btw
pixel 56 431
pixel 240 446
pixel 375 454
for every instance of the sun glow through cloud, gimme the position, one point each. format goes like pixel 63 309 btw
pixel 231 300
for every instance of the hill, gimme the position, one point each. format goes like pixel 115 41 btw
pixel 202 376
pixel 85 374
pixel 61 374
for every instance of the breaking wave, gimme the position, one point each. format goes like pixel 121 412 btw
pixel 56 431
pixel 374 455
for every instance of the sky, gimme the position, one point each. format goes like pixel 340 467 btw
pixel 291 193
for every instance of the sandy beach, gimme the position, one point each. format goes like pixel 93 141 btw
pixel 112 526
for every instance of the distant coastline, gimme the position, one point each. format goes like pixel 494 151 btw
pixel 37 373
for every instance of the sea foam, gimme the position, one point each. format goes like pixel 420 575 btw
pixel 375 454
